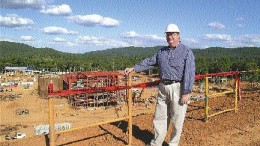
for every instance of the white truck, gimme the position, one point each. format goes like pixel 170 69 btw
pixel 19 135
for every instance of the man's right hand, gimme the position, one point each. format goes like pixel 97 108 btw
pixel 128 70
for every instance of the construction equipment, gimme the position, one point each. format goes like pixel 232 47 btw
pixel 17 135
pixel 22 111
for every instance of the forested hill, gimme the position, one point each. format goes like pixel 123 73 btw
pixel 207 60
pixel 8 49
pixel 127 52
pixel 217 52
pixel 213 52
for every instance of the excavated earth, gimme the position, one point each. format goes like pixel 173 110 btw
pixel 232 128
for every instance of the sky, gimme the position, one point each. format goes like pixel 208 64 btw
pixel 79 26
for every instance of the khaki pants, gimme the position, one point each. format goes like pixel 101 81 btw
pixel 168 108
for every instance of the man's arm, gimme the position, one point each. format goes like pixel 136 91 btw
pixel 143 65
pixel 189 76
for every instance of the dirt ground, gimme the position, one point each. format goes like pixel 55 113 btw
pixel 239 128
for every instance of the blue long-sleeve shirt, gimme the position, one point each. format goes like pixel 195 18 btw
pixel 174 64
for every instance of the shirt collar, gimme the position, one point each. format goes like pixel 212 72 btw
pixel 172 48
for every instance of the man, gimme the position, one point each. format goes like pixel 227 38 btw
pixel 177 72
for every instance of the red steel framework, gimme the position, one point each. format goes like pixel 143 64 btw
pixel 91 79
pixel 90 89
pixel 94 89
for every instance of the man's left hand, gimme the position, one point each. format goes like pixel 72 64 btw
pixel 185 99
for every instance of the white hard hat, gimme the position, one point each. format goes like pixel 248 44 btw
pixel 172 28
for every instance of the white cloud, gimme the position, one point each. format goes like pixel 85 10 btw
pixel 91 40
pixel 130 34
pixel 7 39
pixel 21 4
pixel 89 43
pixel 13 21
pixel 63 9
pixel 27 38
pixel 72 44
pixel 135 39
pixel 94 20
pixel 100 41
pixel 249 39
pixel 109 22
pixel 217 37
pixel 216 25
pixel 192 43
pixel 58 30
pixel 58 39
pixel 191 40
pixel 153 38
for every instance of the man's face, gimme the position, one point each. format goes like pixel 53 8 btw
pixel 172 38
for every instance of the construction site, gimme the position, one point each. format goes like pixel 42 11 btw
pixel 108 108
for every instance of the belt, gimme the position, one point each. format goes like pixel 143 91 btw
pixel 168 82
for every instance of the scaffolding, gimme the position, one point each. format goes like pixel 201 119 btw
pixel 91 89
pixel 208 96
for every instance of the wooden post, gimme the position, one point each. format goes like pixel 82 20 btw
pixel 51 123
pixel 51 116
pixel 236 92
pixel 206 98
pixel 130 110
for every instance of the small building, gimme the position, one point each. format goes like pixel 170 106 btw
pixel 11 71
